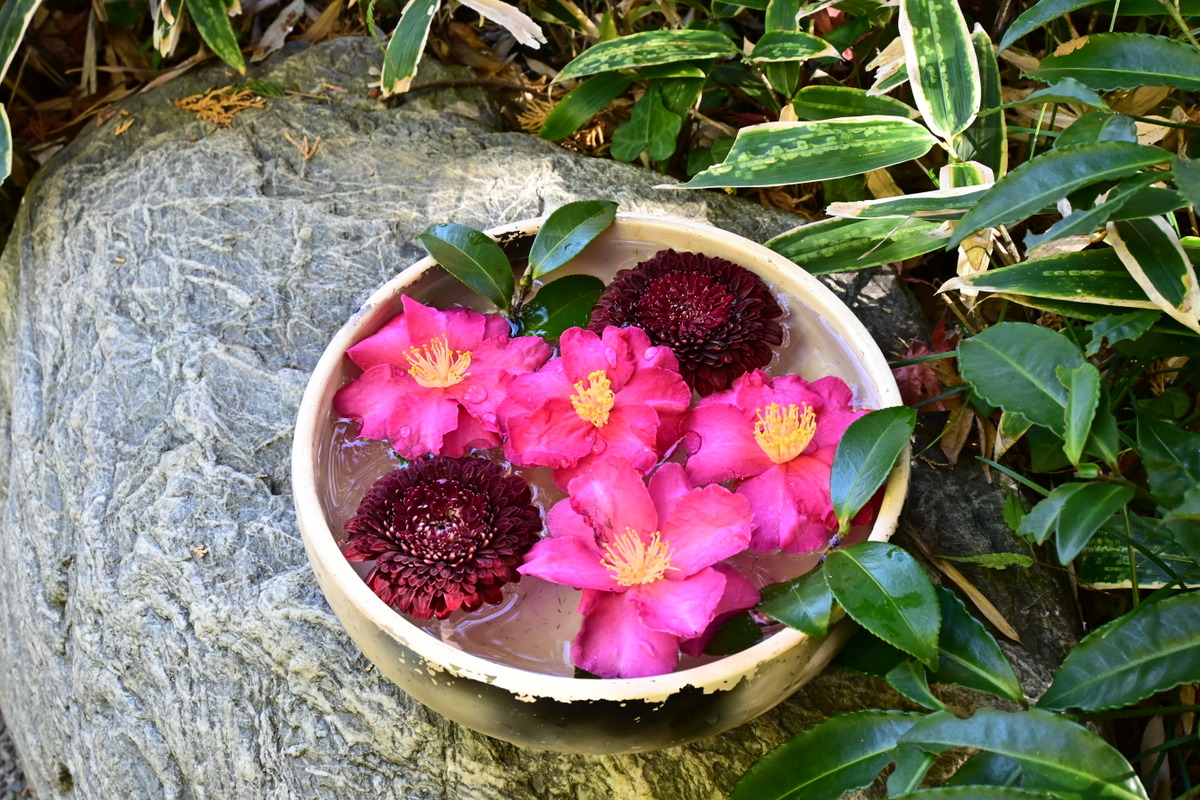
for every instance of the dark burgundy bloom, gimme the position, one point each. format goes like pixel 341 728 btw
pixel 445 533
pixel 719 318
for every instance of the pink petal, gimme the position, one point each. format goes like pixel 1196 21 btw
pixel 419 428
pixel 467 436
pixel 613 643
pixel 660 389
pixel 553 435
pixel 680 607
pixel 722 444
pixel 583 352
pixel 705 526
pixel 570 561
pixel 789 511
pixel 630 433
pixel 739 595
pixel 612 497
pixel 373 396
pixel 417 325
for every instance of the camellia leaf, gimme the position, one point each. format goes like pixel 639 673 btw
pixel 942 67
pixel 647 49
pixel 1056 756
pixel 1084 512
pixel 1098 126
pixel 1014 365
pixel 1045 180
pixel 1043 517
pixel 1083 397
pixel 1088 276
pixel 969 655
pixel 1153 648
pixel 582 103
pixel 803 603
pixel 473 257
pixel 212 22
pixel 564 303
pixel 828 102
pixel 1036 16
pixel 1171 458
pixel 1187 178
pixel 867 654
pixel 908 678
pixel 1086 220
pixel 568 230
pixel 1119 328
pixel 865 456
pixel 1067 90
pixel 986 139
pixel 776 46
pixel 836 756
pixel 970 793
pixel 1108 61
pixel 833 245
pixel 986 770
pixel 884 589
pixel 1151 251
pixel 406 45
pixel 777 153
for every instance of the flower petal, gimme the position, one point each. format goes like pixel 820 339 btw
pixel 683 608
pixel 739 595
pixel 705 526
pixel 721 440
pixel 613 643
pixel 553 436
pixel 468 435
pixel 789 510
pixel 372 397
pixel 569 561
pixel 612 497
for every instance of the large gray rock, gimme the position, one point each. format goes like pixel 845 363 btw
pixel 162 300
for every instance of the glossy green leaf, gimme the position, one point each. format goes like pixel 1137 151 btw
pixel 1153 648
pixel 561 304
pixel 908 678
pixel 1151 251
pixel 582 103
pixel 568 230
pixel 734 635
pixel 1087 220
pixel 473 257
pixel 867 654
pixel 782 15
pixel 939 204
pixel 836 756
pixel 1088 276
pixel 1043 517
pixel 1045 180
pixel 15 16
pixel 1125 61
pixel 1036 16
pixel 995 560
pixel 1013 365
pixel 211 18
pixel 986 139
pixel 865 456
pixel 680 96
pixel 776 153
pixel 1187 178
pixel 1098 126
pixel 1056 755
pixel 651 126
pixel 884 589
pixel 776 46
pixel 1084 512
pixel 969 655
pixel 406 45
pixel 1083 397
pixel 1067 90
pixel 647 49
pixel 803 603
pixel 970 793
pixel 1171 458
pixel 942 67
pixel 829 102
pixel 912 763
pixel 1117 328
pixel 833 245
pixel 984 770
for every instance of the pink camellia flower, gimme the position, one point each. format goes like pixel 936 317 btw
pixel 643 555
pixel 780 436
pixel 433 381
pixel 609 394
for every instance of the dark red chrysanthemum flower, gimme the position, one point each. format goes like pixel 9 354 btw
pixel 445 533
pixel 719 318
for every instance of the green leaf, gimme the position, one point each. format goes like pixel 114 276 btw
pixel 1083 512
pixel 5 145
pixel 582 103
pixel 803 603
pixel 1056 755
pixel 1089 276
pixel 986 139
pixel 473 257
pixel 829 102
pixel 1067 90
pixel 784 77
pixel 939 204
pixel 649 48
pixel 1125 61
pixel 776 153
pixel 1043 517
pixel 986 770
pixel 212 21
pixel 867 654
pixel 651 126
pixel 836 756
pixel 777 46
pixel 736 634
pixel 1013 365
pixel 1187 178
pixel 970 793
pixel 1050 177
pixel 908 678
pixel 833 245
pixel 1083 397
pixel 1104 563
pixel 1151 251
pixel 1098 126
pixel 1086 220
pixel 912 764
pixel 568 230
pixel 406 45
pixel 565 303
pixel 865 455
pixel 15 16
pixel 969 655
pixel 996 560
pixel 1036 16
pixel 1171 458
pixel 885 590
pixel 1151 649
pixel 942 67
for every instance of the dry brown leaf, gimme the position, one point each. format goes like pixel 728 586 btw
pixel 220 106
pixel 1140 101
pixel 880 184
pixel 306 151
pixel 955 434
pixel 1070 46
pixel 325 24
pixel 123 126
pixel 1022 61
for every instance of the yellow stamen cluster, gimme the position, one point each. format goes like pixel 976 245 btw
pixel 633 562
pixel 594 398
pixel 784 433
pixel 436 366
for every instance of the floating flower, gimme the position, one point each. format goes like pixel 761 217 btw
pixel 780 436
pixel 612 394
pixel 719 318
pixel 433 380
pixel 644 556
pixel 444 533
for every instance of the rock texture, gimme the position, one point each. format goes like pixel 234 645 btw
pixel 162 300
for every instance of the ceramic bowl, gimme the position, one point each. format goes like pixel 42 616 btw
pixel 565 713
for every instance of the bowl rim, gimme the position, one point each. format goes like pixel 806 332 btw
pixel 721 674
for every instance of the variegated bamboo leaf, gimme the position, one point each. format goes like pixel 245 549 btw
pixel 1086 220
pixel 1089 276
pixel 1125 61
pixel 649 48
pixel 776 46
pixel 14 20
pixel 939 204
pixel 986 139
pixel 212 21
pixel 834 245
pixel 1150 250
pixel 405 48
pixel 783 15
pixel 5 145
pixel 942 67
pixel 830 102
pixel 778 153
pixel 512 19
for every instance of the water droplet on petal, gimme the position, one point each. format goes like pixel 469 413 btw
pixel 599 446
pixel 489 418
pixel 405 431
pixel 475 394
pixel 691 442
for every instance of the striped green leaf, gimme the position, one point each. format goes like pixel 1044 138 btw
pixel 828 102
pixel 405 48
pixel 834 245
pixel 1088 276
pixel 1125 61
pixel 940 204
pixel 970 793
pixel 1086 220
pixel 14 19
pixel 782 15
pixel 1050 177
pixel 1151 251
pixel 212 21
pixel 986 139
pixel 647 49
pixel 942 66
pixel 778 153
pixel 5 145
pixel 776 46
pixel 1104 563
pixel 582 103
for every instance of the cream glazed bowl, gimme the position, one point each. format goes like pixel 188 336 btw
pixel 559 712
